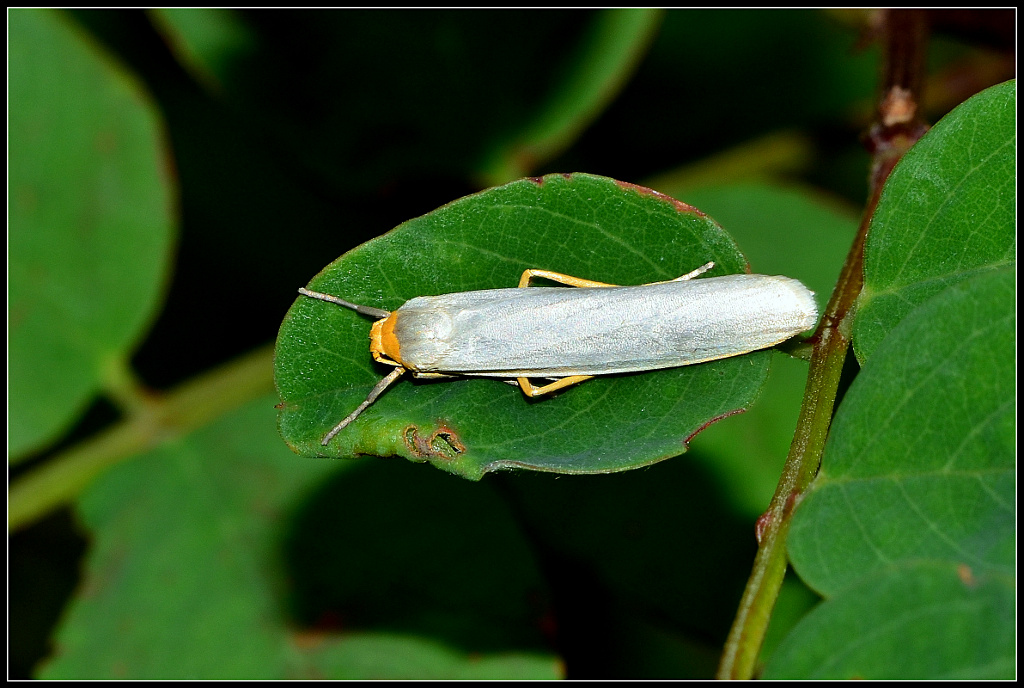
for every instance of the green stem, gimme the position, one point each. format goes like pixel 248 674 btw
pixel 145 426
pixel 897 130
pixel 125 389
pixel 739 658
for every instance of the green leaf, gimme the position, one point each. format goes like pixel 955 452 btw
pixel 221 555
pixel 926 620
pixel 794 602
pixel 582 225
pixel 948 210
pixel 90 224
pixel 605 59
pixel 909 528
pixel 920 467
pixel 920 460
pixel 396 657
pixel 208 42
pixel 775 155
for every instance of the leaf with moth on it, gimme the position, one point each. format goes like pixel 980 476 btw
pixel 582 225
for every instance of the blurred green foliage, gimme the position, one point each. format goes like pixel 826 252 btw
pixel 291 137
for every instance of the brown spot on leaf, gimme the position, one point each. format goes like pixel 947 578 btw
pixel 966 575
pixel 679 205
pixel 105 142
pixel 309 640
pixel 443 443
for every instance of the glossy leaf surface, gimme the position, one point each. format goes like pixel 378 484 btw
pixel 856 635
pixel 582 225
pixel 920 467
pixel 920 461
pixel 909 529
pixel 948 211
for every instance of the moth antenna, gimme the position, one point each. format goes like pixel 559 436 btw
pixel 365 310
pixel 370 398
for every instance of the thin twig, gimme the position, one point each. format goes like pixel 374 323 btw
pixel 183 409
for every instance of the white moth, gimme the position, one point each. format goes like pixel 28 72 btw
pixel 571 335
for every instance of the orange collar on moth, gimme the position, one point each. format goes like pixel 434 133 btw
pixel 384 343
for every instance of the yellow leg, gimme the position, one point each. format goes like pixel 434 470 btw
pixel 569 280
pixel 531 391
